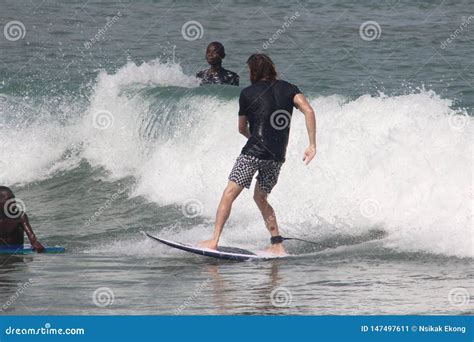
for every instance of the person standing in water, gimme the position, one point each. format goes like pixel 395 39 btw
pixel 14 223
pixel 216 74
pixel 265 113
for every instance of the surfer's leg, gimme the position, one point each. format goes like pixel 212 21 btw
pixel 269 217
pixel 267 178
pixel 231 192
pixel 240 177
pixel 260 197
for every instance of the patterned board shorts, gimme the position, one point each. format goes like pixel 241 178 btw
pixel 245 167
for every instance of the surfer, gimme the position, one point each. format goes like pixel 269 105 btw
pixel 265 113
pixel 14 223
pixel 216 74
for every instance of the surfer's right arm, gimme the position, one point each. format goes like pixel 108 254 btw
pixel 37 246
pixel 303 105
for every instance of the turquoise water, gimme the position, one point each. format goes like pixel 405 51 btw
pixel 106 133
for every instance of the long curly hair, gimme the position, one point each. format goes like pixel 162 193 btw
pixel 261 68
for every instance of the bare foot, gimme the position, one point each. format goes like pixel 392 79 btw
pixel 276 249
pixel 211 244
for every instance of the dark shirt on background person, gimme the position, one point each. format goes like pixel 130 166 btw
pixel 216 74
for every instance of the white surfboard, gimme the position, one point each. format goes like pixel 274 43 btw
pixel 227 253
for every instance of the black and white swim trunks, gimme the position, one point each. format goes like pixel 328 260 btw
pixel 245 168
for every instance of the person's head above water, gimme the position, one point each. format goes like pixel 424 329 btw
pixel 215 53
pixel 6 194
pixel 216 74
pixel 261 67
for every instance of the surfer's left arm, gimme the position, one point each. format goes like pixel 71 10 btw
pixel 37 246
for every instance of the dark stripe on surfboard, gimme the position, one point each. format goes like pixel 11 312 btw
pixel 227 253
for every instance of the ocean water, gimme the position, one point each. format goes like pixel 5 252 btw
pixel 105 133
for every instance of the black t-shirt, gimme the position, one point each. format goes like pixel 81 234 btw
pixel 223 76
pixel 268 106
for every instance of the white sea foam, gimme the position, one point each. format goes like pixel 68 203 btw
pixel 398 163
pixel 118 147
pixel 393 163
pixel 30 153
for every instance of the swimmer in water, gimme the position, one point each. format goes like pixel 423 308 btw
pixel 14 223
pixel 216 74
